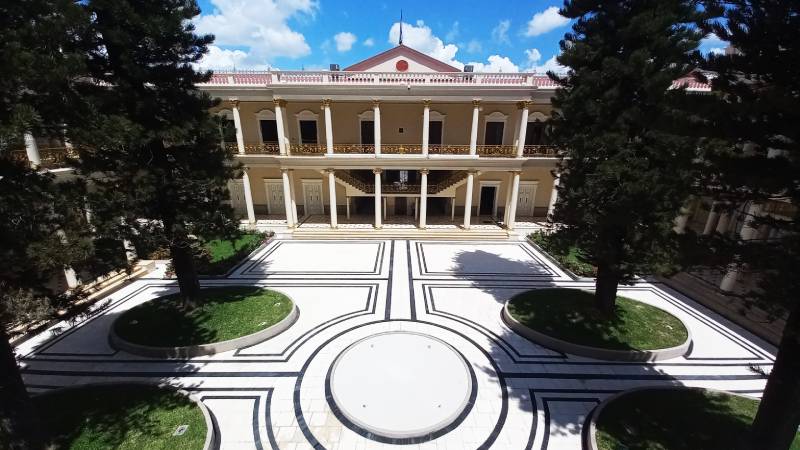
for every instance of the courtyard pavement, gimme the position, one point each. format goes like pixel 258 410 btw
pixel 278 394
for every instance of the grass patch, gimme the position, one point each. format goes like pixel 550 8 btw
pixel 220 314
pixel 221 255
pixel 687 419
pixel 570 315
pixel 569 258
pixel 120 417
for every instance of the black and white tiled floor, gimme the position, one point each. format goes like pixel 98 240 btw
pixel 272 395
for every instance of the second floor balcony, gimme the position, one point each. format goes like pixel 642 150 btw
pixel 487 151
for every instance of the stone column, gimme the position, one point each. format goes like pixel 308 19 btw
pixel 332 195
pixel 287 198
pixel 507 204
pixel 711 220
pixel 279 124
pixel 237 122
pixel 293 197
pixel 376 109
pixel 248 197
pixel 473 136
pixel 683 218
pixel 523 127
pixel 69 272
pixel 749 231
pixel 348 208
pixel 553 197
pixel 32 150
pixel 378 205
pixel 724 222
pixel 426 115
pixel 423 198
pixel 512 204
pixel 468 199
pixel 452 209
pixel 326 108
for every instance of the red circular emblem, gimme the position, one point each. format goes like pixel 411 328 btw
pixel 401 65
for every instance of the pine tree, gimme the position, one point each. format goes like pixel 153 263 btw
pixel 751 156
pixel 152 152
pixel 38 63
pixel 626 167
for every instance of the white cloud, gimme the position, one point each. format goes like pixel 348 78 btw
pixel 421 38
pixel 452 35
pixel 218 58
pixel 533 55
pixel 474 46
pixel 551 65
pixel 545 21
pixel 258 26
pixel 713 44
pixel 369 42
pixel 496 63
pixel 344 41
pixel 500 32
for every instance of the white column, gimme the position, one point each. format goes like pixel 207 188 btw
pixel 523 127
pixel 332 196
pixel 426 115
pixel 130 250
pixel 348 208
pixel 385 208
pixel 750 229
pixel 423 198
pixel 683 218
pixel 377 173
pixel 416 208
pixel 553 197
pixel 468 199
pixel 473 136
pixel 279 124
pixel 326 107
pixel 452 209
pixel 711 220
pixel 32 149
pixel 376 108
pixel 512 207
pixel 293 197
pixel 69 272
pixel 287 198
pixel 724 222
pixel 248 197
pixel 730 278
pixel 507 204
pixel 237 122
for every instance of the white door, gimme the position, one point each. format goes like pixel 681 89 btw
pixel 275 204
pixel 312 196
pixel 527 194
pixel 236 188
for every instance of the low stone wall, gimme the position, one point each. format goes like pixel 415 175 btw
pixel 595 352
pixel 203 349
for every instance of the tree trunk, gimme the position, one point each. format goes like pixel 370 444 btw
pixel 605 294
pixel 19 426
pixel 183 263
pixel 778 415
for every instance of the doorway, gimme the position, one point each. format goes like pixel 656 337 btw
pixel 275 202
pixel 487 200
pixel 526 199
pixel 312 197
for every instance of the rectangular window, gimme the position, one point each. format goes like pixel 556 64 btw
pixel 534 135
pixel 269 131
pixel 367 132
pixel 308 131
pixel 435 132
pixel 494 133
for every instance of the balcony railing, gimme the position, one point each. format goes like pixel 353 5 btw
pixel 497 151
pixel 539 151
pixel 448 149
pixel 264 148
pixel 51 157
pixel 490 151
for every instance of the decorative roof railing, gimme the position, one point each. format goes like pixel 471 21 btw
pixel 51 157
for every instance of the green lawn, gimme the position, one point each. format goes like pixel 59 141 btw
pixel 570 315
pixel 567 258
pixel 222 255
pixel 120 417
pixel 676 420
pixel 221 314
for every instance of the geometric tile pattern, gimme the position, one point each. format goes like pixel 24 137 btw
pixel 273 394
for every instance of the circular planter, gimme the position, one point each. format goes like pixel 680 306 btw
pixel 596 352
pixel 190 351
pixel 211 435
pixel 590 438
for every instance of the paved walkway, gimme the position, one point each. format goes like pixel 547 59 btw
pixel 277 394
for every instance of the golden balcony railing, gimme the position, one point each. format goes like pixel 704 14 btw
pixel 401 149
pixel 366 149
pixel 307 149
pixel 539 151
pixel 264 148
pixel 497 151
pixel 51 157
pixel 448 149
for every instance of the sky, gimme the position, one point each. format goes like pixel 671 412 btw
pixel 493 36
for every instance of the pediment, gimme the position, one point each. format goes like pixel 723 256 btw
pixel 401 59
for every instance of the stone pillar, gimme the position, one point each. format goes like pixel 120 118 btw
pixel 523 127
pixel 332 195
pixel 293 197
pixel 287 198
pixel 730 278
pixel 553 197
pixel 711 220
pixel 683 218
pixel 378 223
pixel 279 124
pixel 426 115
pixel 468 199
pixel 348 208
pixel 248 197
pixel 423 198
pixel 69 272
pixel 473 136
pixel 32 150
pixel 724 222
pixel 452 209
pixel 512 204
pixel 237 122
pixel 507 204
pixel 376 109
pixel 130 251
pixel 749 231
pixel 326 108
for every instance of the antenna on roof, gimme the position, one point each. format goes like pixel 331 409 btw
pixel 401 28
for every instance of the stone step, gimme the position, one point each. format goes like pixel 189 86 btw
pixel 405 233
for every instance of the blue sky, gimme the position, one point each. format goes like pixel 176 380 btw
pixel 495 36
